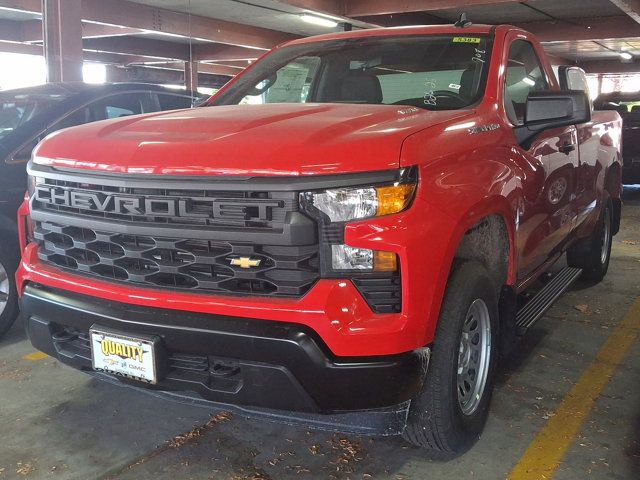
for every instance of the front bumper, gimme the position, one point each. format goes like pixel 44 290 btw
pixel 255 364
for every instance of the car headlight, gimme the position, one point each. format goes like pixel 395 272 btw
pixel 333 208
pixel 348 204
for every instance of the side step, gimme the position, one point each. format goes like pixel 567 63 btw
pixel 535 308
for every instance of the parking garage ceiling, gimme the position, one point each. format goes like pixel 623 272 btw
pixel 225 35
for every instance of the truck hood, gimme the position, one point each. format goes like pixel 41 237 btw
pixel 248 140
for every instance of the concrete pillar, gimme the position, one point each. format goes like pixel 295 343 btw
pixel 116 74
pixel 62 24
pixel 191 75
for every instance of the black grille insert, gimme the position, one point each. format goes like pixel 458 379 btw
pixel 383 294
pixel 202 265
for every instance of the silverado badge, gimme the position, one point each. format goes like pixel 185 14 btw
pixel 245 262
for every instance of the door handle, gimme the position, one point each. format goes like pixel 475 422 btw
pixel 567 148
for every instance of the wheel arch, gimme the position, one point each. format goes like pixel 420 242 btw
pixel 487 225
pixel 490 223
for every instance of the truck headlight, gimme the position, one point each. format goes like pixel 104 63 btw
pixel 357 203
pixel 334 208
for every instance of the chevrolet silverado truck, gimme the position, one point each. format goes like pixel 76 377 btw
pixel 348 236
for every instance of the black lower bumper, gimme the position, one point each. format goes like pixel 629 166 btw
pixel 252 364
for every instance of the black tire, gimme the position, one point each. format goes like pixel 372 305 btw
pixel 8 310
pixel 436 418
pixel 593 253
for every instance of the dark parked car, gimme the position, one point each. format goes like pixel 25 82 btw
pixel 628 105
pixel 28 115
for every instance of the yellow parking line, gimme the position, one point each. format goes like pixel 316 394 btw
pixel 545 452
pixel 35 356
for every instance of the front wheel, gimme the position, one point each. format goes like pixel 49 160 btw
pixel 448 415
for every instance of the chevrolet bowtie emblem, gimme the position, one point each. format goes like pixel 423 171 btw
pixel 245 262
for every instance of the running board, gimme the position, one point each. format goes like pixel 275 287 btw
pixel 535 308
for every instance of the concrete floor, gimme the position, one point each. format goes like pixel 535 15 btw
pixel 59 423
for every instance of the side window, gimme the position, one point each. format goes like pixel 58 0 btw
pixel 173 102
pixel 78 117
pixel 116 106
pixel 524 75
pixel 24 154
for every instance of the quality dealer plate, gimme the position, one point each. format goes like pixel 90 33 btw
pixel 132 357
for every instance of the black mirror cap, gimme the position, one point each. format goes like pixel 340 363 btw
pixel 552 109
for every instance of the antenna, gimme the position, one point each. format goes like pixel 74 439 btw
pixel 462 21
pixel 193 98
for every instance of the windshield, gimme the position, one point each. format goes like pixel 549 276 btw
pixel 16 109
pixel 431 72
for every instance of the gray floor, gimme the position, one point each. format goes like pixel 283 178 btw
pixel 59 423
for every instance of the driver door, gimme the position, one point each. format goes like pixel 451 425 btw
pixel 547 213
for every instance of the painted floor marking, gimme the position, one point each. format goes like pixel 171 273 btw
pixel 35 356
pixel 545 452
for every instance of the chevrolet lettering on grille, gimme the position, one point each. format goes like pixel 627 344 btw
pixel 248 209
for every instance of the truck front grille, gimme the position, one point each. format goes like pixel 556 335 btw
pixel 235 235
pixel 195 207
pixel 188 264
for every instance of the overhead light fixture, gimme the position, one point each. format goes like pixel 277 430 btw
pixel 323 22
pixel 626 55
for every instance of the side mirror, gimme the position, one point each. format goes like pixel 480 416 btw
pixel 552 109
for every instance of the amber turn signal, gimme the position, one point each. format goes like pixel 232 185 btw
pixel 394 198
pixel 384 261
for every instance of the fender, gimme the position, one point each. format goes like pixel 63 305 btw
pixel 493 205
pixel 466 177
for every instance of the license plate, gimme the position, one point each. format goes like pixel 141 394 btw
pixel 120 354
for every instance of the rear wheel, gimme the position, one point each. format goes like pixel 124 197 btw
pixel 592 254
pixel 8 294
pixel 450 412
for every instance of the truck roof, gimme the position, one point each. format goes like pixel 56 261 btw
pixel 447 29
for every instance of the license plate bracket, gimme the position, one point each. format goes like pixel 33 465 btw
pixel 134 356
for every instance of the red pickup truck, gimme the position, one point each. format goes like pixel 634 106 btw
pixel 347 236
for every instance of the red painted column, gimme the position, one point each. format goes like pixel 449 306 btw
pixel 62 24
